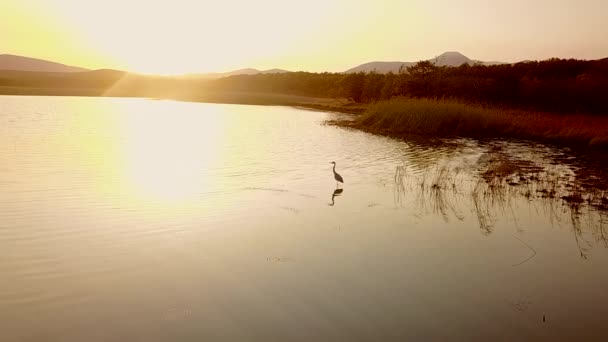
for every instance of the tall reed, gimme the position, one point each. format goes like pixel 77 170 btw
pixel 428 117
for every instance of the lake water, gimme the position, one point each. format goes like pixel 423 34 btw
pixel 145 220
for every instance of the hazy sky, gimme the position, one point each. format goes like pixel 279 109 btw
pixel 180 36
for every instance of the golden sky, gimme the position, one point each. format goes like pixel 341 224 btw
pixel 181 36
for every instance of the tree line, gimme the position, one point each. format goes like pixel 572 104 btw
pixel 557 85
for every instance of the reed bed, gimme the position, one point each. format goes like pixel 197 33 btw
pixel 402 117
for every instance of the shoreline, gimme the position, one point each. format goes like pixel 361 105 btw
pixel 385 117
pixel 407 118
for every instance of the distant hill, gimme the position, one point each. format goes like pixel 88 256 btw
pixel 274 71
pixel 450 58
pixel 21 63
pixel 246 71
pixel 380 67
pixel 103 74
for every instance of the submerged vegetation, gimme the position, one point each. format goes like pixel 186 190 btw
pixel 498 183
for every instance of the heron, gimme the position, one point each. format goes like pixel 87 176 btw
pixel 337 176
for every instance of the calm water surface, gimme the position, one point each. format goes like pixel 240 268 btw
pixel 142 220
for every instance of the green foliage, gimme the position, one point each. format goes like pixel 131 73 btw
pixel 554 85
pixel 422 70
pixel 352 86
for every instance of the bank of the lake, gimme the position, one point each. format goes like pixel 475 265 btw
pixel 430 118
pixel 406 117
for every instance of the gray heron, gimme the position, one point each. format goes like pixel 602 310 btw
pixel 337 176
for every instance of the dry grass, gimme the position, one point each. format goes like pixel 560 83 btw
pixel 405 116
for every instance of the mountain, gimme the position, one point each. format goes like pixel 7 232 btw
pixel 450 58
pixel 13 62
pixel 246 71
pixel 380 67
pixel 274 71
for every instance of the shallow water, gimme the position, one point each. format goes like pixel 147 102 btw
pixel 144 220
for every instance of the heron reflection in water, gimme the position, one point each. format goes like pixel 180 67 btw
pixel 337 192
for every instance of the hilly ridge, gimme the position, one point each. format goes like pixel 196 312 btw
pixel 449 58
pixel 21 63
pixel 246 71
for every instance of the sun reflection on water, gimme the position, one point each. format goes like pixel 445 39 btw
pixel 169 157
pixel 143 151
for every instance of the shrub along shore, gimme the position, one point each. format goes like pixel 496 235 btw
pixel 407 117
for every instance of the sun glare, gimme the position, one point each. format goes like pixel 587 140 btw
pixel 166 156
pixel 185 36
pixel 191 36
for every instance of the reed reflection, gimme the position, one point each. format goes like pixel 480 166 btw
pixel 503 185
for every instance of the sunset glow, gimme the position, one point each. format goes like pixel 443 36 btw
pixel 303 170
pixel 181 36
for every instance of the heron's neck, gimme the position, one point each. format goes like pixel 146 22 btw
pixel 334 168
